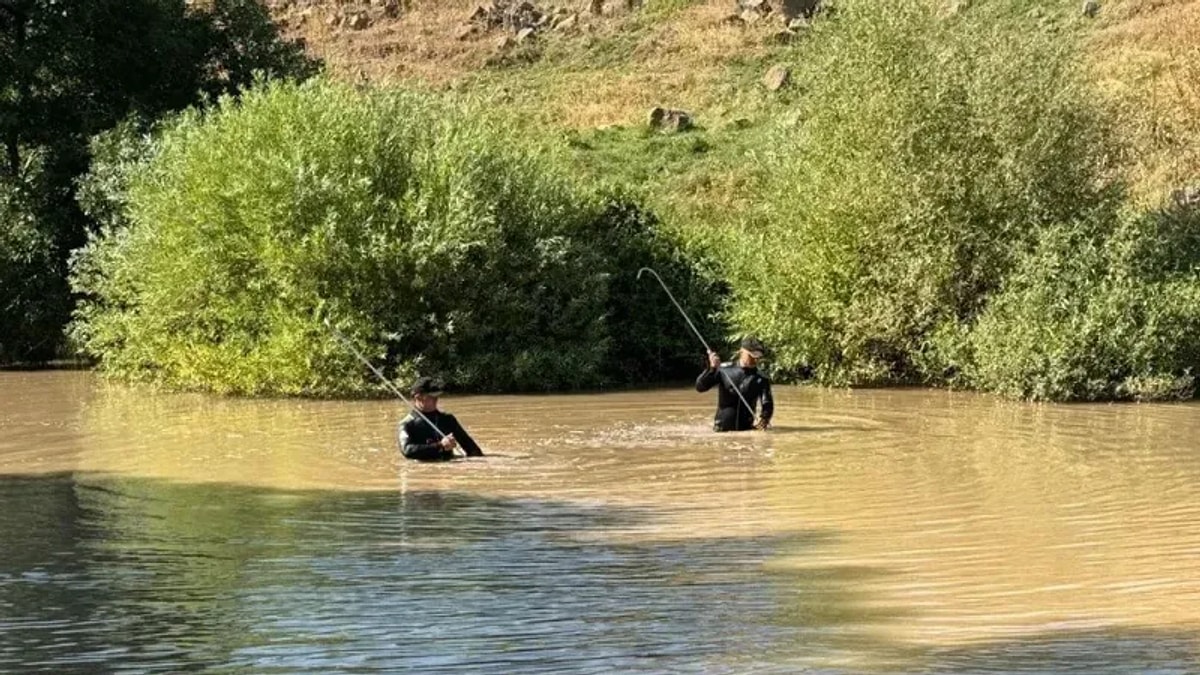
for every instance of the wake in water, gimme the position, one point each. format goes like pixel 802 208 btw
pixel 656 436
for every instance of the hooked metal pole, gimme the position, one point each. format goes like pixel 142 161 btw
pixel 349 345
pixel 698 335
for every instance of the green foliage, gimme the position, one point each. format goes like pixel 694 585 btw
pixel 929 152
pixel 32 283
pixel 1107 310
pixel 650 341
pixel 70 69
pixel 117 154
pixel 434 237
pixel 241 43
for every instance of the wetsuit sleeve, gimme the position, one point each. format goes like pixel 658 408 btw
pixel 768 402
pixel 421 451
pixel 708 379
pixel 464 439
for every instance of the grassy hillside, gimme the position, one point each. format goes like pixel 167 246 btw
pixel 597 81
pixel 969 193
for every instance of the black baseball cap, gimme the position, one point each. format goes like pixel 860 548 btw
pixel 754 346
pixel 428 386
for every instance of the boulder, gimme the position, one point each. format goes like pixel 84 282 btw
pixel 667 120
pixel 567 22
pixel 777 77
pixel 806 9
pixel 1186 198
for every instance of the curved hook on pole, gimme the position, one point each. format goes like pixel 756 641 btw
pixel 676 303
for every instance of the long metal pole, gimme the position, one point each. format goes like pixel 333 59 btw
pixel 698 335
pixel 349 345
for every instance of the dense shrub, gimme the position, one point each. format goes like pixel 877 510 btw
pixel 1107 310
pixel 432 236
pixel 929 152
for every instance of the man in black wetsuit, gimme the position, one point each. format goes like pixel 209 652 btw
pixel 418 440
pixel 732 412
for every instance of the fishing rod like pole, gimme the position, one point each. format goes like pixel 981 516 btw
pixel 387 383
pixel 698 336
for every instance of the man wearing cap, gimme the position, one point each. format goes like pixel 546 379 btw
pixel 734 412
pixel 419 440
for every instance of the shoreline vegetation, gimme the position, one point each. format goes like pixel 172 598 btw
pixel 928 198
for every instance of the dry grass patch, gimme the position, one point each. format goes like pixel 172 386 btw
pixel 1147 62
pixel 610 70
pixel 420 44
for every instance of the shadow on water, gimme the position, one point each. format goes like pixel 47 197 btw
pixel 1165 651
pixel 100 573
pixel 66 364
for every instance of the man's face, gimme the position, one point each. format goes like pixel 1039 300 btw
pixel 426 402
pixel 748 359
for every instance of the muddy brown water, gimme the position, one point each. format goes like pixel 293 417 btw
pixel 870 531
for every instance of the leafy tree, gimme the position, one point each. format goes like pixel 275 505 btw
pixel 70 69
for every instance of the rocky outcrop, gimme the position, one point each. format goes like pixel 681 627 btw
pixel 522 18
pixel 799 9
pixel 1186 198
pixel 598 7
pixel 790 12
pixel 749 12
pixel 356 15
pixel 667 120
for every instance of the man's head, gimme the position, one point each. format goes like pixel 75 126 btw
pixel 425 392
pixel 752 350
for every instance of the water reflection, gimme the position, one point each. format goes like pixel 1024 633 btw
pixel 100 572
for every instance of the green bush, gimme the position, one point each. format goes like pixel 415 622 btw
pixel 435 237
pixel 929 152
pixel 1106 310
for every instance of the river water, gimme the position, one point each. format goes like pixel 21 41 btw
pixel 870 531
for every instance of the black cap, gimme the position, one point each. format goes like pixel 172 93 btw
pixel 428 386
pixel 754 346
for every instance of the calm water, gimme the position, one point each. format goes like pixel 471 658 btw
pixel 895 531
